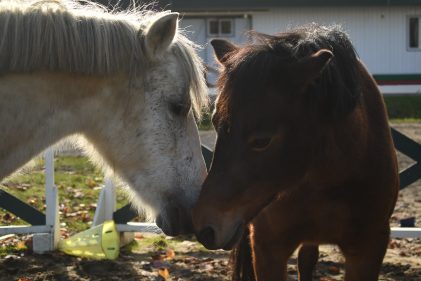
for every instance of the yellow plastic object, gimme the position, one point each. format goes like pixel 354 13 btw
pixel 99 242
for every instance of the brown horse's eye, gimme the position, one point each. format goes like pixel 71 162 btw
pixel 260 143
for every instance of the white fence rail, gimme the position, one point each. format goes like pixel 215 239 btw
pixel 46 236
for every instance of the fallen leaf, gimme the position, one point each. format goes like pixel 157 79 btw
pixel 394 244
pixel 333 269
pixel 78 194
pixel 170 254
pixel 85 217
pixel 21 246
pixel 208 267
pixel 417 251
pixel 33 201
pixel 7 217
pixel 91 183
pixel 164 273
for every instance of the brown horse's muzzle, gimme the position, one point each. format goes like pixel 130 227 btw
pixel 216 230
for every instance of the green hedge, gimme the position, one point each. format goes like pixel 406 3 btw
pixel 206 122
pixel 399 107
pixel 403 107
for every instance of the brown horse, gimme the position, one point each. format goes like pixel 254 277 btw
pixel 303 157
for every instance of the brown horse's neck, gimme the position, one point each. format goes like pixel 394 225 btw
pixel 353 152
pixel 341 152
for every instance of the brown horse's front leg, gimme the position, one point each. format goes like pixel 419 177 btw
pixel 307 259
pixel 364 258
pixel 270 253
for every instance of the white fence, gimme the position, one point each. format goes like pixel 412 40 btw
pixel 46 236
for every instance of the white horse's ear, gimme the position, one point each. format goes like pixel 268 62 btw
pixel 160 34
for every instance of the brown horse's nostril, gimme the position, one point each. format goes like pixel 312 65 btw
pixel 207 237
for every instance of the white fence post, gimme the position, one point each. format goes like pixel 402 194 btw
pixel 106 204
pixel 44 242
pixel 46 236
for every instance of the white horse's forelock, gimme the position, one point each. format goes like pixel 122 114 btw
pixel 193 65
pixel 58 35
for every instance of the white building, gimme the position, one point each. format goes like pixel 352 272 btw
pixel 385 33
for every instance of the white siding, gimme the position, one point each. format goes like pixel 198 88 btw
pixel 196 30
pixel 379 34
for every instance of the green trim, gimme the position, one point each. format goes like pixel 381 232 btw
pixel 397 79
pixel 391 77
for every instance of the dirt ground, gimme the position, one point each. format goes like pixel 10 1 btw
pixel 186 260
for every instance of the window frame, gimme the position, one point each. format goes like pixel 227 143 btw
pixel 408 34
pixel 220 34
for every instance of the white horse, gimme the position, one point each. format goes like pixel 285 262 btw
pixel 129 82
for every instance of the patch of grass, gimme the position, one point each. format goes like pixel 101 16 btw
pixel 159 243
pixel 403 108
pixel 131 247
pixel 148 244
pixel 205 123
pixel 13 248
pixel 8 250
pixel 405 120
pixel 78 183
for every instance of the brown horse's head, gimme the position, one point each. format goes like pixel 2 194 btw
pixel 271 115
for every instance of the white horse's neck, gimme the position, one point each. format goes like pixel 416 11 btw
pixel 37 110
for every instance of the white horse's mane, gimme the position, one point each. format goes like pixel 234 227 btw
pixel 85 38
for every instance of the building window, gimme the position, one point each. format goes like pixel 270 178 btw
pixel 221 27
pixel 226 26
pixel 213 27
pixel 414 33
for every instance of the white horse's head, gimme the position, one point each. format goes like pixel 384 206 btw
pixel 127 81
pixel 173 168
pixel 155 134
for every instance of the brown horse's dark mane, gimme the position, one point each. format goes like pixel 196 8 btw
pixel 253 67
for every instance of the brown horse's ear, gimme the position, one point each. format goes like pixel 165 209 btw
pixel 222 48
pixel 311 67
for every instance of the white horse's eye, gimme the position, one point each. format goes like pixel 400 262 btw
pixel 180 109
